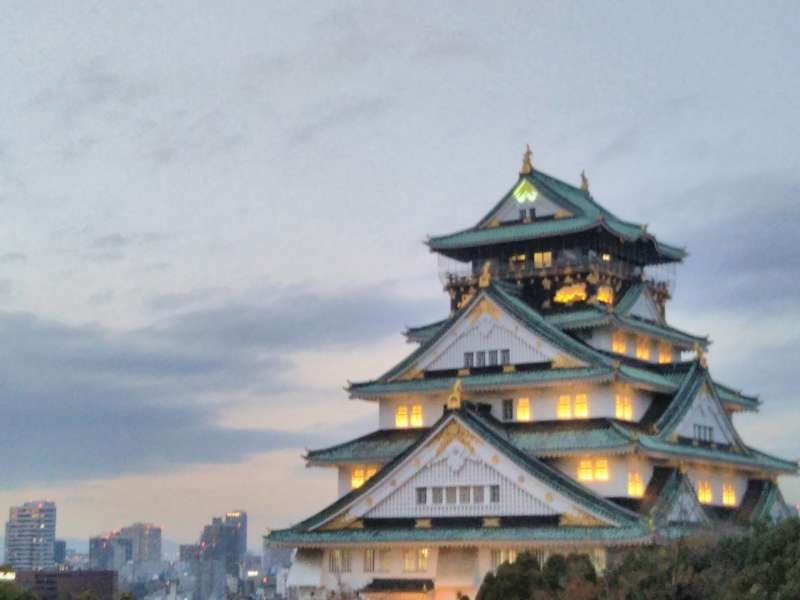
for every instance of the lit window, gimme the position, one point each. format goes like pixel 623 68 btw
pixel 728 494
pixel 500 557
pixel 401 417
pixel 581 406
pixel 415 560
pixel 571 293
pixel 371 471
pixel 619 343
pixel 358 477
pixel 664 353
pixel 623 407
pixel 605 294
pixel 508 410
pixel 564 407
pixel 517 259
pixel 523 409
pixel 643 348
pixel 704 493
pixel 635 484
pixel 416 415
pixel 339 561
pixel 601 469
pixel 585 471
pixel 542 260
pixel 606 257
pixel 369 561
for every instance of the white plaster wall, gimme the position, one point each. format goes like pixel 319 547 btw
pixel 357 578
pixel 706 411
pixel 543 402
pixel 717 477
pixel 618 468
pixel 509 211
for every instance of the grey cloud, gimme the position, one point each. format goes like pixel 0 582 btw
pixel 345 115
pixel 179 300
pixel 13 257
pixel 88 402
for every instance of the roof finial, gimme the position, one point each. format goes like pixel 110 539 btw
pixel 584 182
pixel 454 399
pixel 486 275
pixel 527 165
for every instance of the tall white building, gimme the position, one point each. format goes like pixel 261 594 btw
pixel 30 536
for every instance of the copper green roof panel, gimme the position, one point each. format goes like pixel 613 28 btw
pixel 632 534
pixel 377 447
pixel 546 439
pixel 424 332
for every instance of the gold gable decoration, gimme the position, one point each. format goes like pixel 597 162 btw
pixel 562 361
pixel 484 307
pixel 454 432
pixel 455 397
pixel 527 161
pixel 343 521
pixel 579 519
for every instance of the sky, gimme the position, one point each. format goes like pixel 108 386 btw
pixel 214 216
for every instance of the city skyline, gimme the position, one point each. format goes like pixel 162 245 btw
pixel 206 237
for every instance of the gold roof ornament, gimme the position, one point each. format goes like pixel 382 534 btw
pixel 701 355
pixel 527 165
pixel 584 182
pixel 454 399
pixel 486 275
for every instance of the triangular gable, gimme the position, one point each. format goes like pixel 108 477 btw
pixel 772 505
pixel 527 194
pixel 485 325
pixel 461 452
pixel 639 302
pixel 678 503
pixel 696 405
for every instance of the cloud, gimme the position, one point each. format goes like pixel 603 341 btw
pixel 345 115
pixel 178 300
pixel 89 402
pixel 13 257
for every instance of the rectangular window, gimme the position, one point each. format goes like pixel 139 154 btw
pixel 422 495
pixel 369 561
pixel 451 494
pixel 505 356
pixel 564 410
pixel 339 561
pixel 542 260
pixel 437 495
pixel 463 494
pixel 664 353
pixel 384 560
pixel 623 407
pixel 619 342
pixel 508 410
pixel 585 471
pixel 480 359
pixel 492 358
pixel 522 214
pixel 704 493
pixel 605 294
pixel 606 257
pixel 728 494
pixel 494 494
pixel 601 469
pixel 523 409
pixel 532 214
pixel 581 406
pixel 635 484
pixel 643 348
pixel 370 471
pixel 517 260
pixel 500 557
pixel 401 417
pixel 704 433
pixel 477 494
pixel 415 561
pixel 416 415
pixel 357 477
pixel 469 359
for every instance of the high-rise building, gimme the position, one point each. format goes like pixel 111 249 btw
pixel 30 536
pixel 238 520
pixel 59 552
pixel 109 551
pixel 220 541
pixel 554 409
pixel 145 539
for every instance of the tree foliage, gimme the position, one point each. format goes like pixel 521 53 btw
pixel 762 564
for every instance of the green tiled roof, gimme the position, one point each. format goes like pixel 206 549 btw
pixel 731 396
pixel 631 534
pixel 424 332
pixel 377 447
pixel 587 214
pixel 549 438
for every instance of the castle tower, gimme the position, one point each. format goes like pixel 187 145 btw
pixel 553 410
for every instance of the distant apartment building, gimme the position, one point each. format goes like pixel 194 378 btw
pixel 189 552
pixel 237 519
pixel 146 540
pixel 109 551
pixel 59 552
pixel 52 585
pixel 30 536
